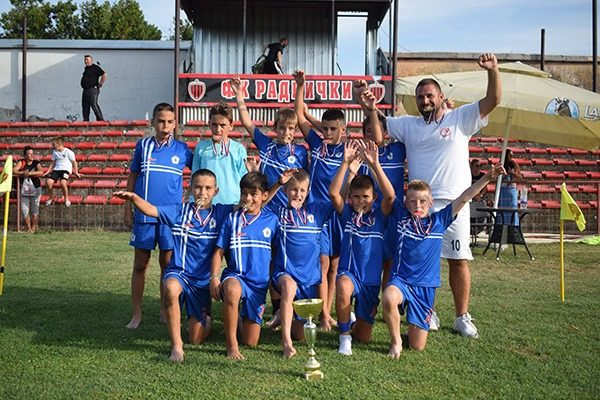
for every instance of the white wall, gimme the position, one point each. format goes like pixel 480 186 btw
pixel 140 74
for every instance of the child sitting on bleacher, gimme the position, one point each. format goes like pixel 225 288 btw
pixel 63 165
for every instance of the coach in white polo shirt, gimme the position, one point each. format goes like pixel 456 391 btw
pixel 437 148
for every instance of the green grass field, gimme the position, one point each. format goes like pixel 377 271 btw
pixel 66 302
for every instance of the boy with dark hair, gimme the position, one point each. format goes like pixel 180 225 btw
pixel 156 175
pixel 195 226
pixel 327 151
pixel 362 249
pixel 222 155
pixel 63 164
pixel 416 271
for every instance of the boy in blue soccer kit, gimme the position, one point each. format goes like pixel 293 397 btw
pixel 156 175
pixel 297 273
pixel 327 152
pixel 362 251
pixel 416 270
pixel 247 235
pixel 222 155
pixel 195 227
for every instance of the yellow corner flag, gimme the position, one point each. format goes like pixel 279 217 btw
pixel 569 210
pixel 5 186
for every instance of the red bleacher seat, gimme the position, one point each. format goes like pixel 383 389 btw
pixel 78 157
pixel 48 157
pixel 584 205
pixel 97 158
pixel 18 134
pixel 575 175
pixel 563 162
pixel 140 122
pixel 522 161
pixel 5 124
pixel 556 150
pixel 576 152
pixel 95 199
pixel 518 150
pixel 91 133
pixel 90 170
pixel 190 133
pixel 122 184
pixel 84 146
pixel 570 188
pixel 133 133
pixel 113 133
pixel 118 122
pixel 491 187
pixel 493 160
pixel 233 134
pixel 534 204
pixel 552 175
pixel 126 145
pixel 492 149
pixel 593 174
pixel 41 146
pixel 106 184
pixel 586 163
pixel 191 145
pixel 475 149
pixel 542 189
pixel 106 145
pixel 115 201
pixel 541 161
pixel 196 123
pixel 535 150
pixel 81 183
pixel 473 139
pixel 113 171
pixel 59 124
pixel 483 139
pixel 73 198
pixel 550 203
pixel 588 188
pixel 119 157
pixel 594 203
pixel 4 146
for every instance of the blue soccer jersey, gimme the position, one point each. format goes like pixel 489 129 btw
pixel 195 233
pixel 391 158
pixel 325 159
pixel 248 239
pixel 362 245
pixel 276 158
pixel 297 251
pixel 419 245
pixel 160 169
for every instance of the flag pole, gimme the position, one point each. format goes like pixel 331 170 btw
pixel 4 237
pixel 562 262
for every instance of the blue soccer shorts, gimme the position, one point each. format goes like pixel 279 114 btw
pixel 366 299
pixel 196 297
pixel 417 302
pixel 147 235
pixel 254 298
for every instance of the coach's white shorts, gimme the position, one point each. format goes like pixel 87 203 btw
pixel 458 235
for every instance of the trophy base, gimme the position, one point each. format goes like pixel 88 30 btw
pixel 313 375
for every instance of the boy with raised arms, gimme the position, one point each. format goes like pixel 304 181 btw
pixel 416 270
pixel 195 227
pixel 362 250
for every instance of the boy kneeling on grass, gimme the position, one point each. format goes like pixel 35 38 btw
pixel 195 227
pixel 416 270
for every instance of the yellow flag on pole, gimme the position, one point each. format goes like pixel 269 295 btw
pixel 6 176
pixel 569 210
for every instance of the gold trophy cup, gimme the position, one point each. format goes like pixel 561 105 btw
pixel 307 309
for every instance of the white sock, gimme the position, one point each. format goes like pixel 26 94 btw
pixel 345 345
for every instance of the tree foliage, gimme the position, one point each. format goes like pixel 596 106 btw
pixel 122 20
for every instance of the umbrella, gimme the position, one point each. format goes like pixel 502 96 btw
pixel 534 107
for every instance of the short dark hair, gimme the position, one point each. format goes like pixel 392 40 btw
pixel 88 55
pixel 254 181
pixel 26 149
pixel 475 160
pixel 223 109
pixel 362 182
pixel 162 107
pixel 204 172
pixel 367 120
pixel 428 81
pixel 58 139
pixel 334 115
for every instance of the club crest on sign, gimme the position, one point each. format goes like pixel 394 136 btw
pixel 196 89
pixel 564 107
pixel 378 91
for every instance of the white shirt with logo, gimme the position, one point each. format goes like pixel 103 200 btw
pixel 63 160
pixel 438 152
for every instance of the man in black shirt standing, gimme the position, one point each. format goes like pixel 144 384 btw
pixel 274 60
pixel 92 80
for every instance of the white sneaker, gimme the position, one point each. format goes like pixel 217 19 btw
pixel 345 345
pixel 352 319
pixel 49 202
pixel 67 203
pixel 434 322
pixel 465 327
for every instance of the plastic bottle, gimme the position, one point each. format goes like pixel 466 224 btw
pixel 523 200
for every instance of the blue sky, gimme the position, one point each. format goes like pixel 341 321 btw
pixel 500 26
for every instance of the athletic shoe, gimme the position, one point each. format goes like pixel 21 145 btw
pixel 67 203
pixel 49 202
pixel 434 322
pixel 352 319
pixel 345 345
pixel 465 327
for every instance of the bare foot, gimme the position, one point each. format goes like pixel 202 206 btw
pixel 395 350
pixel 289 351
pixel 234 354
pixel 176 354
pixel 134 323
pixel 274 322
pixel 325 324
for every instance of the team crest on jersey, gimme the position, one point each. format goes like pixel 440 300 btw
pixel 390 156
pixel 132 237
pixel 175 160
pixel 338 155
pixel 445 132
pixel 267 232
pixel 212 224
pixel 311 218
pixel 291 159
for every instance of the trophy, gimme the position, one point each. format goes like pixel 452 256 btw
pixel 306 309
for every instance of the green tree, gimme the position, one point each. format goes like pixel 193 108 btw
pixel 39 19
pixel 65 21
pixel 186 30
